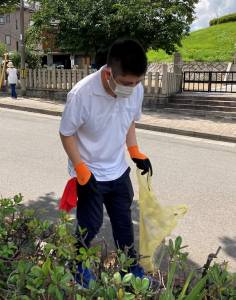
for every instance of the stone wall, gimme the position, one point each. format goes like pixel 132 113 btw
pixel 191 66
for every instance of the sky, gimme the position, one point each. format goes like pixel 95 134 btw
pixel 210 9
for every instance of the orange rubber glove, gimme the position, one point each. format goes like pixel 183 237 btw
pixel 86 181
pixel 83 173
pixel 141 160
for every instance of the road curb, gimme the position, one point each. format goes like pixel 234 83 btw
pixel 139 125
pixel 196 134
pixel 31 109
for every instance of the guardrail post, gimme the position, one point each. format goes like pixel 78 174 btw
pixel 209 81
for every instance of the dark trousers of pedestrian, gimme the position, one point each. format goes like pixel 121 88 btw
pixel 13 90
pixel 117 196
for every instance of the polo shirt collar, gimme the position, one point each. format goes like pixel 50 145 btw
pixel 98 88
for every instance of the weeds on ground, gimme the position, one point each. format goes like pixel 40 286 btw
pixel 38 261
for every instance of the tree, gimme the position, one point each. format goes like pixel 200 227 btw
pixel 8 5
pixel 3 49
pixel 32 59
pixel 90 26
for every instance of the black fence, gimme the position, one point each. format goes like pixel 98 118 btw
pixel 219 82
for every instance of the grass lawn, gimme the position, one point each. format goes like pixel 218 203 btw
pixel 215 43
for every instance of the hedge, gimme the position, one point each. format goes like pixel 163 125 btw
pixel 224 19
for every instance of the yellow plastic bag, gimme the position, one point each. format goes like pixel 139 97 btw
pixel 156 221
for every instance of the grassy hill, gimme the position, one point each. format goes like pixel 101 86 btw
pixel 215 43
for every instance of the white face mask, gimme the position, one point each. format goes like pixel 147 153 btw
pixel 120 90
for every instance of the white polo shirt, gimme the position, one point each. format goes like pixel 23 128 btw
pixel 100 124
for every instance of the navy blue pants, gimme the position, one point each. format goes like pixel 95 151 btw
pixel 117 196
pixel 13 90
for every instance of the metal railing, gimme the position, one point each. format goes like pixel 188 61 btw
pixel 219 82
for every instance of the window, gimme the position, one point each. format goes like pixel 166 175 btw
pixel 16 24
pixel 17 46
pixel 8 18
pixel 2 19
pixel 8 39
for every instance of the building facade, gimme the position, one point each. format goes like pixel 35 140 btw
pixel 51 55
pixel 10 28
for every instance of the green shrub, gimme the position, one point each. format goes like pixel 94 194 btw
pixel 3 49
pixel 15 58
pixel 32 59
pixel 223 19
pixel 38 260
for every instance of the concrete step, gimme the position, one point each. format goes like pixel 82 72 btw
pixel 233 68
pixel 201 113
pixel 202 107
pixel 206 96
pixel 203 102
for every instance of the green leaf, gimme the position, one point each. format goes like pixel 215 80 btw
pixel 198 292
pixel 178 242
pixel 171 247
pixel 129 296
pixel 60 270
pixel 122 258
pixel 171 275
pixel 117 278
pixel 92 284
pixel 62 230
pixel 66 278
pixel 104 277
pixel 32 288
pixel 138 283
pixel 167 295
pixel 55 292
pixel 127 278
pixel 82 250
pixel 46 267
pixel 111 293
pixel 87 264
pixel 37 271
pixel 186 284
pixel 25 298
pixel 79 297
pixel 145 283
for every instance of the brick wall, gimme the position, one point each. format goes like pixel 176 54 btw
pixel 10 28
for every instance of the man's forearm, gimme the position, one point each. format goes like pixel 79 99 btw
pixel 131 136
pixel 71 148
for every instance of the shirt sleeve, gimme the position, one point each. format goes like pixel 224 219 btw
pixel 140 95
pixel 74 115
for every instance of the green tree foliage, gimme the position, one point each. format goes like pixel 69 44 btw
pixel 3 49
pixel 32 59
pixel 8 5
pixel 91 26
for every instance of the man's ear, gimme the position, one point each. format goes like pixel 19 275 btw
pixel 107 72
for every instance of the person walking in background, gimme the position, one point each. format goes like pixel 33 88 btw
pixel 12 79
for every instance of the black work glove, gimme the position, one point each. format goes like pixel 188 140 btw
pixel 89 187
pixel 143 164
pixel 141 160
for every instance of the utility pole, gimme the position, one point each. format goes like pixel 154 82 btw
pixel 22 49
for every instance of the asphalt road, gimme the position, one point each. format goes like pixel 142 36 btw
pixel 199 173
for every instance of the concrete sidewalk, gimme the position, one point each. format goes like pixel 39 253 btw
pixel 216 129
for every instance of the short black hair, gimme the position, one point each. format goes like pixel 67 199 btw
pixel 128 57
